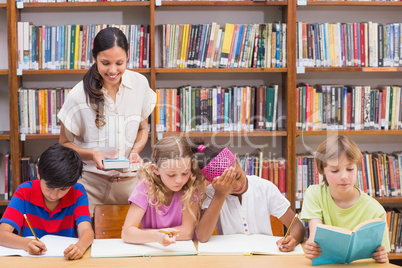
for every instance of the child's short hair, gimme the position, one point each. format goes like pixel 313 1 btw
pixel 60 166
pixel 332 148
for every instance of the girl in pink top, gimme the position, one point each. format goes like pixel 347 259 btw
pixel 168 199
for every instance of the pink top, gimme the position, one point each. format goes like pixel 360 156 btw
pixel 170 216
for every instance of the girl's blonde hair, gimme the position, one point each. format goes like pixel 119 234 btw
pixel 334 147
pixel 167 148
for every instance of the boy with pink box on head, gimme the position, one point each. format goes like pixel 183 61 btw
pixel 240 204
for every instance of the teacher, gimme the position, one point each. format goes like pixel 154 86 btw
pixel 106 116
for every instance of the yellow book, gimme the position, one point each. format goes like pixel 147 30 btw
pixel 227 42
pixel 76 45
pixel 184 46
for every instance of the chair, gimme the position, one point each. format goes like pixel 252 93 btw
pixel 277 226
pixel 109 220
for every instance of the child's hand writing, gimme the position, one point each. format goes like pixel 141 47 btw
pixel 223 184
pixel 286 244
pixel 73 252
pixel 167 236
pixel 35 247
pixel 380 254
pixel 312 249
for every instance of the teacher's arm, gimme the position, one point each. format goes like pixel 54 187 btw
pixel 140 142
pixel 86 154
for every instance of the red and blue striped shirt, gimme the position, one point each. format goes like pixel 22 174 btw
pixel 63 220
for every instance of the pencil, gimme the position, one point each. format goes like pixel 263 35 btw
pixel 169 233
pixel 290 226
pixel 25 216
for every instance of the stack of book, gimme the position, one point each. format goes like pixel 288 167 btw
pixel 237 108
pixel 234 46
pixel 70 46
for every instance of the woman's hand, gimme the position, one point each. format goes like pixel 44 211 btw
pixel 98 158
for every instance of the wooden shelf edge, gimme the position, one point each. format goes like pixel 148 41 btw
pixel 5 135
pixel 354 69
pixel 87 4
pixel 395 256
pixel 349 132
pixel 68 71
pixel 281 133
pixel 3 5
pixel 224 3
pixel 388 199
pixel 352 3
pixel 4 202
pixel 216 70
pixel 3 72
pixel 39 137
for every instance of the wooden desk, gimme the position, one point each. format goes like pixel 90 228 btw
pixel 255 261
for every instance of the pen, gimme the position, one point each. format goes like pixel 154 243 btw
pixel 290 226
pixel 169 233
pixel 25 216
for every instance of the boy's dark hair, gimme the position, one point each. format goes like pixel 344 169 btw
pixel 60 166
pixel 206 156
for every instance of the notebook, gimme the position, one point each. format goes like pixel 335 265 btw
pixel 240 244
pixel 118 248
pixel 55 247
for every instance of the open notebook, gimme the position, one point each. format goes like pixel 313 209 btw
pixel 239 244
pixel 55 247
pixel 117 248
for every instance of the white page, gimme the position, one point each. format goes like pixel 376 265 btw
pixel 55 247
pixel 239 244
pixel 117 248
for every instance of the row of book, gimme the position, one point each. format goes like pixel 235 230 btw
pixel 237 108
pixel 5 178
pixel 38 109
pixel 74 1
pixel 394 223
pixel 70 46
pixel 339 107
pixel 272 169
pixel 379 174
pixel 234 46
pixel 366 44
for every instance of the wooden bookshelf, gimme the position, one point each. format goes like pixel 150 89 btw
pixel 5 135
pixel 3 5
pixel 349 132
pixel 24 137
pixel 354 69
pixel 352 3
pixel 3 72
pixel 87 4
pixel 224 3
pixel 222 70
pixel 227 134
pixel 73 71
pixel 4 202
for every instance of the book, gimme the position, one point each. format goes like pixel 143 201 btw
pixel 239 244
pixel 339 245
pixel 109 248
pixel 55 247
pixel 116 163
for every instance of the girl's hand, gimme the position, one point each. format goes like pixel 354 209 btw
pixel 380 254
pixel 224 183
pixel 73 252
pixel 286 244
pixel 167 239
pixel 35 247
pixel 312 249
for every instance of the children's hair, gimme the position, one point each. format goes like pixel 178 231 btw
pixel 168 148
pixel 206 155
pixel 93 82
pixel 60 166
pixel 334 147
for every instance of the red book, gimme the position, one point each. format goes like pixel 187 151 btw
pixel 356 56
pixel 141 46
pixel 271 171
pixel 177 117
pixel 276 173
pixel 265 170
pixel 364 175
pixel 362 46
pixel 316 176
pixel 349 110
pixel 6 178
pixel 391 175
pixel 282 175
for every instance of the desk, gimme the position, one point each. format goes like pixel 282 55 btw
pixel 255 261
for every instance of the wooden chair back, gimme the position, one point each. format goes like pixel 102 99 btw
pixel 109 220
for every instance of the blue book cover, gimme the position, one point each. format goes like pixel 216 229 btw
pixel 339 245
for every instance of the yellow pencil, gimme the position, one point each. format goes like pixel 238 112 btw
pixel 25 216
pixel 169 233
pixel 290 226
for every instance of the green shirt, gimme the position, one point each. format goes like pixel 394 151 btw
pixel 318 204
